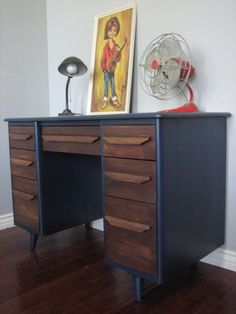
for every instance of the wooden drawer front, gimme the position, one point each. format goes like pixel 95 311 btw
pixel 134 141
pixel 78 139
pixel 130 179
pixel 22 137
pixel 26 186
pixel 130 233
pixel 23 163
pixel 140 212
pixel 133 248
pixel 26 211
pixel 25 202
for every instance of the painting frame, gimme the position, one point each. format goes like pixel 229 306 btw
pixel 112 61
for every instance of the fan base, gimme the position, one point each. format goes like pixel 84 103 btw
pixel 190 107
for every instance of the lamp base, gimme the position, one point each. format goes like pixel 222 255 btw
pixel 68 112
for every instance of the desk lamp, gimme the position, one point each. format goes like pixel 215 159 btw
pixel 71 67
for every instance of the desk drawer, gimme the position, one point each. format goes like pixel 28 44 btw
pixel 25 202
pixel 130 179
pixel 131 246
pixel 25 185
pixel 78 139
pixel 133 141
pixel 23 163
pixel 25 210
pixel 140 212
pixel 22 137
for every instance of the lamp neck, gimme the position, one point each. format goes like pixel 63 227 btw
pixel 67 88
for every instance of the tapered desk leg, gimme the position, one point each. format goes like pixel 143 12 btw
pixel 33 240
pixel 138 286
pixel 87 226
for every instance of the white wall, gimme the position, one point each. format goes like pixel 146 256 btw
pixel 23 74
pixel 208 26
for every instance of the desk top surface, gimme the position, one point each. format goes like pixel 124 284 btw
pixel 148 115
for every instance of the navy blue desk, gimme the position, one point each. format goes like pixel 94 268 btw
pixel 157 179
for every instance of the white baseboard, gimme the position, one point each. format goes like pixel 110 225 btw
pixel 6 221
pixel 222 258
pixel 97 224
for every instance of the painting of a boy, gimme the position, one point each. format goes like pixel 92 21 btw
pixel 112 63
pixel 111 55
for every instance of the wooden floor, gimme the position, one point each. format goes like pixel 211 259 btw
pixel 67 274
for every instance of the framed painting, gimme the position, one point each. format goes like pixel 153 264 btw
pixel 112 62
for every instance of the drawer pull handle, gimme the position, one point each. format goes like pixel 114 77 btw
pixel 23 195
pixel 126 177
pixel 127 224
pixel 71 138
pixel 21 162
pixel 20 137
pixel 122 140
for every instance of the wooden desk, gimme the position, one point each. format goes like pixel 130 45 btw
pixel 157 179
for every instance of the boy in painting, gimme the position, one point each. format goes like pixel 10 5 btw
pixel 111 55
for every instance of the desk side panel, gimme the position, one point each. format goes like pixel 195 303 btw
pixel 193 159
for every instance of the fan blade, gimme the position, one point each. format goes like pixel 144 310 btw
pixel 171 49
pixel 159 85
pixel 172 70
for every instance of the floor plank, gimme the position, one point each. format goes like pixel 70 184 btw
pixel 67 274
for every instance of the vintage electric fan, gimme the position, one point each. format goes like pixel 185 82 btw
pixel 165 68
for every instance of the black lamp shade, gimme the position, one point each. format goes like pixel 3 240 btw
pixel 72 66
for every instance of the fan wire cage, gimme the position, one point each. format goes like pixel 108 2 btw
pixel 165 66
